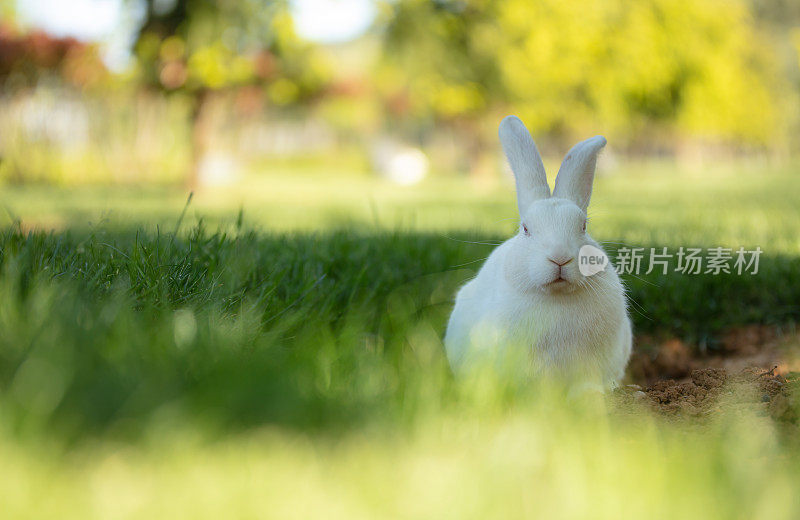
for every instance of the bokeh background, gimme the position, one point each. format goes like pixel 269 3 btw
pixel 204 94
pixel 231 232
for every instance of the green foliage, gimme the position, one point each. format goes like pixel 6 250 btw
pixel 7 12
pixel 439 56
pixel 213 45
pixel 652 70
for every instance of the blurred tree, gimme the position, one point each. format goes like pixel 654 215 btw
pixel 784 13
pixel 27 57
pixel 780 21
pixel 439 63
pixel 201 47
pixel 645 72
pixel 7 11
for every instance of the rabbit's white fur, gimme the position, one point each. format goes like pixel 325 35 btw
pixel 576 328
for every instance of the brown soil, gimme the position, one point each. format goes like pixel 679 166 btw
pixel 754 370
pixel 710 389
pixel 741 347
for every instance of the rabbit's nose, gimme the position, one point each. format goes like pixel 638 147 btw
pixel 561 261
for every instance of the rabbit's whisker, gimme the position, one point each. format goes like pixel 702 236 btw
pixel 641 279
pixel 470 262
pixel 472 242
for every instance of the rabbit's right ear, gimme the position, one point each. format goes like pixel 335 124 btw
pixel 525 162
pixel 576 175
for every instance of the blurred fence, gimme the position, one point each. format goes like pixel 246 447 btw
pixel 58 135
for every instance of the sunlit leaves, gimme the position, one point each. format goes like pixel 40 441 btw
pixel 698 69
pixel 230 44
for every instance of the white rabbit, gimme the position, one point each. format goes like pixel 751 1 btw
pixel 531 294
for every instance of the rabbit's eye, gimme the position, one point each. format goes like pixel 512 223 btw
pixel 525 229
pixel 584 225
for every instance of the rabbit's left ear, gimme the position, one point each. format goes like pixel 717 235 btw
pixel 525 162
pixel 575 177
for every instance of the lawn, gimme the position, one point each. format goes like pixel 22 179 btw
pixel 638 203
pixel 276 352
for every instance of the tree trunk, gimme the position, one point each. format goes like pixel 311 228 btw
pixel 200 122
pixel 481 163
pixel 482 167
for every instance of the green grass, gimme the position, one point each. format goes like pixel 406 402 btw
pixel 530 464
pixel 288 363
pixel 648 203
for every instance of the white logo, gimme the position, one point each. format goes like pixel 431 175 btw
pixel 591 260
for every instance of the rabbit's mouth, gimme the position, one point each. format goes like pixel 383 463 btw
pixel 559 285
pixel 557 282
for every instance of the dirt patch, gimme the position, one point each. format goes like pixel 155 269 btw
pixel 739 348
pixel 708 390
pixel 690 396
pixel 748 340
pixel 674 379
pixel 670 359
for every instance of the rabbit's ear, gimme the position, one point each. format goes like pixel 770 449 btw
pixel 525 161
pixel 575 177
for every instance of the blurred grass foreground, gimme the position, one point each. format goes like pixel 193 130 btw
pixel 271 348
pixel 294 376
